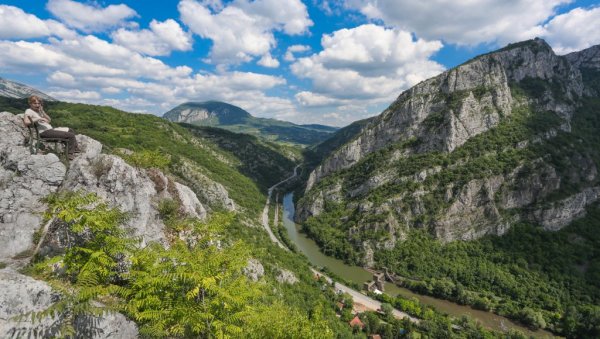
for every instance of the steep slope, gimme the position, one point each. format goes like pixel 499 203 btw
pixel 140 173
pixel 235 119
pixel 13 89
pixel 505 144
pixel 317 153
pixel 263 161
pixel 454 152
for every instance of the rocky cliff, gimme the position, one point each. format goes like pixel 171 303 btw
pixel 458 105
pixel 26 179
pixel 500 139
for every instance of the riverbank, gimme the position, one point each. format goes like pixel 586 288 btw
pixel 359 275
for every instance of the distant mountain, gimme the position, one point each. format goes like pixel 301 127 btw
pixel 321 127
pixel 11 89
pixel 236 119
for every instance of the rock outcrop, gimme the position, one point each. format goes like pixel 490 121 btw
pixel 26 179
pixel 20 294
pixel 212 194
pixel 286 277
pixel 561 213
pixel 254 270
pixel 135 191
pixel 587 58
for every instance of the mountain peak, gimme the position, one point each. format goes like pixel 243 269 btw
pixel 210 112
pixel 17 90
pixel 536 44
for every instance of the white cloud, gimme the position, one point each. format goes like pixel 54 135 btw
pixel 160 39
pixel 87 68
pixel 310 99
pixel 573 31
pixel 244 29
pixel 75 95
pixel 111 90
pixel 289 54
pixel 16 24
pixel 290 16
pixel 62 79
pixel 69 61
pixel 369 63
pixel 90 18
pixel 268 61
pixel 465 22
pixel 111 59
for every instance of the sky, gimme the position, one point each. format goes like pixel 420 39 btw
pixel 306 61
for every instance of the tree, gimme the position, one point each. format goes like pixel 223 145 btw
pixel 388 311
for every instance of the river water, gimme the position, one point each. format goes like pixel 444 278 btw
pixel 359 275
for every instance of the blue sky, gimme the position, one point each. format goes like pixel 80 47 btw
pixel 330 62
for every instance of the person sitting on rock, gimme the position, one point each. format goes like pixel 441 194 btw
pixel 36 115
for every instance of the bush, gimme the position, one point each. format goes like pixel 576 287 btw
pixel 147 159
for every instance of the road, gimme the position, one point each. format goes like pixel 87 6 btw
pixel 265 214
pixel 358 297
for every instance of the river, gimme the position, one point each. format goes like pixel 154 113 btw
pixel 359 275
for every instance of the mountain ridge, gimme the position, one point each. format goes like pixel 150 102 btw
pixel 525 83
pixel 480 185
pixel 12 89
pixel 233 118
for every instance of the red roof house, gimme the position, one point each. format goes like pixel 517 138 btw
pixel 356 322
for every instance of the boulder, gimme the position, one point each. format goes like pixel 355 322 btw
pixel 21 295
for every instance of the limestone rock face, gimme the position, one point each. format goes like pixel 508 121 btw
pixel 563 212
pixel 474 213
pixel 442 113
pixel 25 179
pixel 467 153
pixel 286 277
pixel 587 58
pixel 254 270
pixel 212 194
pixel 310 208
pixel 190 204
pixel 20 294
pixel 191 115
pixel 135 191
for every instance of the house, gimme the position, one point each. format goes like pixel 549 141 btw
pixel 374 336
pixel 356 322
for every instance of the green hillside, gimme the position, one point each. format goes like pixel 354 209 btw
pixel 235 119
pixel 227 158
